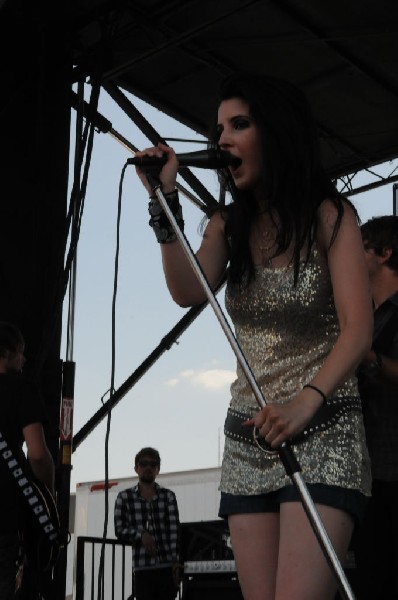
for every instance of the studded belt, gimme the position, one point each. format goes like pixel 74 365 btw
pixel 325 417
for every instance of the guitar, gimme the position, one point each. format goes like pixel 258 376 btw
pixel 42 546
pixel 42 529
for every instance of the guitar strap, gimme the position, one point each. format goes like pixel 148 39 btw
pixel 27 489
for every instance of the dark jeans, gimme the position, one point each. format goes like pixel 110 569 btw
pixel 9 551
pixel 375 545
pixel 155 584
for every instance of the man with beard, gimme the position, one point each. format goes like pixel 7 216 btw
pixel 146 515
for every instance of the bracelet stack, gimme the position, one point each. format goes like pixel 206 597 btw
pixel 158 219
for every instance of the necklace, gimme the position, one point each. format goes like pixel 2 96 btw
pixel 266 242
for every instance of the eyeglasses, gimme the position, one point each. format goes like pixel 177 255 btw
pixel 148 463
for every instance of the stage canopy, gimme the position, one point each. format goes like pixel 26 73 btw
pixel 342 53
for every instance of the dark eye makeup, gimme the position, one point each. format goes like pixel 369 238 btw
pixel 241 122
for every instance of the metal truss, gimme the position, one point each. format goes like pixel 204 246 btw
pixel 351 184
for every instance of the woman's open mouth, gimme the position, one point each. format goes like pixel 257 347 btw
pixel 234 167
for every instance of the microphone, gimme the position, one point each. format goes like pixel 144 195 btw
pixel 203 159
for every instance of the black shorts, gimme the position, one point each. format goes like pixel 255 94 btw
pixel 351 501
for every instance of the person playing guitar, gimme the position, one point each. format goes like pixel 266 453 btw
pixel 22 416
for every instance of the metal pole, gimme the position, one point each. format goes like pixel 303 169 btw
pixel 285 451
pixel 66 428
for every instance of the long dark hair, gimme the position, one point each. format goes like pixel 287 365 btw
pixel 295 180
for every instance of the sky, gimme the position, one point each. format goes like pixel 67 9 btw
pixel 179 405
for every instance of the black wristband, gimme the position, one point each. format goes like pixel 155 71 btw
pixel 158 219
pixel 313 387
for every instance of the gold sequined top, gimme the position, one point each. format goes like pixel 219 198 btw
pixel 285 333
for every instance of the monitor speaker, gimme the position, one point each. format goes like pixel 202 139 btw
pixel 211 588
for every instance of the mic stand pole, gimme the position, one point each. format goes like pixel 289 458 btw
pixel 285 451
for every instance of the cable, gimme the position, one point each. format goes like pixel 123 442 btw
pixel 112 385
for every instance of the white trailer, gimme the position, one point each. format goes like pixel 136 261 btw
pixel 196 491
pixel 197 497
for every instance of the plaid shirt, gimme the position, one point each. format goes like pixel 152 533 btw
pixel 134 515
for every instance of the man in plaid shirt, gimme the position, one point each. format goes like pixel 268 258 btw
pixel 147 516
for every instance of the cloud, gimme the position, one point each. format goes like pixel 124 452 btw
pixel 189 373
pixel 172 382
pixel 211 379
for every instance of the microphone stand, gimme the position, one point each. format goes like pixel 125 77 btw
pixel 285 451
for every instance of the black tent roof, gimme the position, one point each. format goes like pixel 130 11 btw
pixel 342 53
pixel 172 53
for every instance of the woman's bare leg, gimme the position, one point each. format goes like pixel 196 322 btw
pixel 255 544
pixel 303 571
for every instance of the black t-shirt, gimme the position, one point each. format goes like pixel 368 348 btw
pixel 379 397
pixel 20 405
